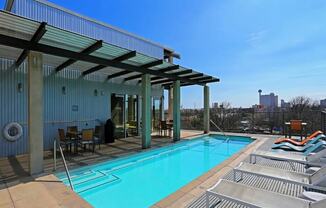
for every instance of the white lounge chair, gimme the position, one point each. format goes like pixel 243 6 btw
pixel 257 198
pixel 313 159
pixel 304 179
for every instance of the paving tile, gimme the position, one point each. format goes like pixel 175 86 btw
pixel 5 198
pixel 8 205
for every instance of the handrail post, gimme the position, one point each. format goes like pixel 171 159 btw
pixel 63 160
pixel 66 168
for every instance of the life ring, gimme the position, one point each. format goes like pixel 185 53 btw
pixel 13 131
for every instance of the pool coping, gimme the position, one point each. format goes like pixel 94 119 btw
pixel 51 191
pixel 182 196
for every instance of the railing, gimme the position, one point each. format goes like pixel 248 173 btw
pixel 323 121
pixel 55 145
pixel 216 126
pixel 250 121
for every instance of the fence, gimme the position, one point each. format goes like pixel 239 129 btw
pixel 323 121
pixel 250 121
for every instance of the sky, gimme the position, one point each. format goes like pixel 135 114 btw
pixel 277 46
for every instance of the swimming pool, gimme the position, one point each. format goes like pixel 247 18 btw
pixel 145 178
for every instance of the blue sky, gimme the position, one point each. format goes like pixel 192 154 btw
pixel 277 46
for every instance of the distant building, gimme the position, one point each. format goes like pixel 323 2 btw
pixel 215 105
pixel 285 105
pixel 323 103
pixel 269 101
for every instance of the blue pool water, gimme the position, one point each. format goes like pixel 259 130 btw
pixel 142 179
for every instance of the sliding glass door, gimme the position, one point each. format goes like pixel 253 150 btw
pixel 124 113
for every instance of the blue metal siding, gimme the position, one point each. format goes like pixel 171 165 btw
pixel 13 106
pixel 58 111
pixel 61 19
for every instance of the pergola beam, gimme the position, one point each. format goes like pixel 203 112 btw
pixel 202 82
pixel 125 56
pixel 118 74
pixel 87 50
pixel 51 50
pixel 170 68
pixel 194 76
pixel 188 71
pixel 165 81
pixel 203 78
pixel 144 66
pixel 152 64
pixel 41 30
pixel 117 59
pixel 188 77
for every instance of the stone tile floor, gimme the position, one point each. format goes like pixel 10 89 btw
pixel 18 189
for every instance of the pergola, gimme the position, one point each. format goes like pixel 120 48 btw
pixel 40 43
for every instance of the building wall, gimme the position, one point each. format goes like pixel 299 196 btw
pixel 59 108
pixel 39 11
pixel 323 103
pixel 269 101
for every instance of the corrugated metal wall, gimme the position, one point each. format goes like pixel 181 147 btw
pixel 56 17
pixel 58 107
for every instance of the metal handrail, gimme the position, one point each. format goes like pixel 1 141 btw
pixel 227 137
pixel 63 160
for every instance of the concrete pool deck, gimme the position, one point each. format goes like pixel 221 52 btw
pixel 17 189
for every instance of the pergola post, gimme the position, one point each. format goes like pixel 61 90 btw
pixel 170 104
pixel 162 107
pixel 146 111
pixel 206 109
pixel 35 112
pixel 176 110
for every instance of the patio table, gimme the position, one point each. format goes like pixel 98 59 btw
pixel 75 137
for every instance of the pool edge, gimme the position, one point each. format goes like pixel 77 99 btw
pixel 219 170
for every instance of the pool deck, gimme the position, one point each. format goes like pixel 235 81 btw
pixel 18 189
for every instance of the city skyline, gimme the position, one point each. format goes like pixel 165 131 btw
pixel 267 45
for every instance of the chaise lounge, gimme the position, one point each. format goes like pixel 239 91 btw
pixel 306 180
pixel 314 159
pixel 257 198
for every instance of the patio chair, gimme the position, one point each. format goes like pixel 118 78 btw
pixel 163 128
pixel 72 132
pixel 63 140
pixel 299 143
pixel 306 180
pixel 313 159
pixel 256 197
pixel 296 127
pixel 307 149
pixel 87 138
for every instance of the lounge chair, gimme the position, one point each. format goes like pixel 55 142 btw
pixel 304 179
pixel 313 159
pixel 256 198
pixel 288 145
pixel 299 143
pixel 307 149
